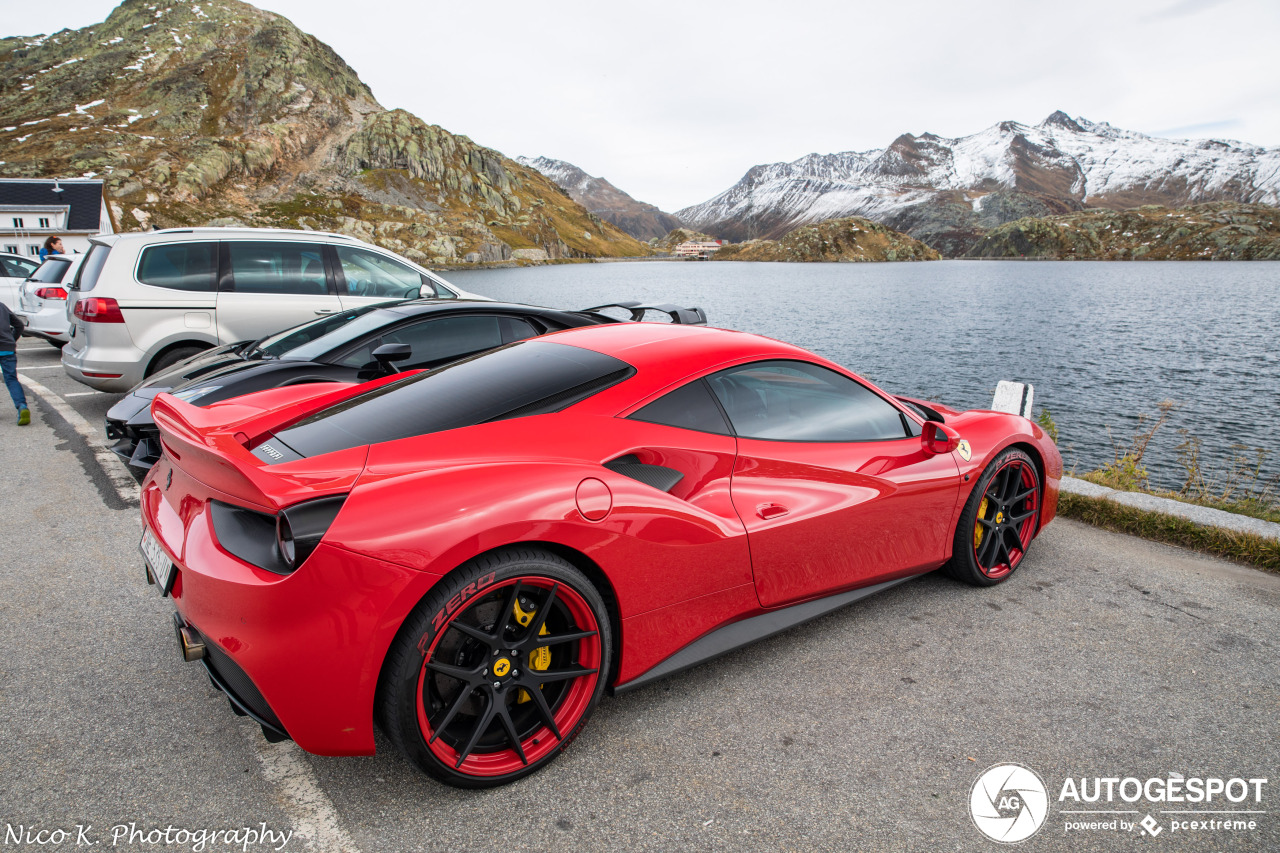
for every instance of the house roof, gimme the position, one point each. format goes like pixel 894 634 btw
pixel 83 198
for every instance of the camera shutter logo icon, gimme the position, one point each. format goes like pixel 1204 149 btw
pixel 1009 803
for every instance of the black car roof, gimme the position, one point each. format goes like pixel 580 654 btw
pixel 418 307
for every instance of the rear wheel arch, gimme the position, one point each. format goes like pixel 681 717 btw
pixel 158 361
pixel 574 557
pixel 399 707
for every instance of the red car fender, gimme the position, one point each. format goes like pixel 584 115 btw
pixel 989 434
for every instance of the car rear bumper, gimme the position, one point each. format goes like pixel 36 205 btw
pixel 300 653
pixel 135 436
pixel 117 368
pixel 48 322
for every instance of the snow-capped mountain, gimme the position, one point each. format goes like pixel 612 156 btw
pixel 947 192
pixel 640 220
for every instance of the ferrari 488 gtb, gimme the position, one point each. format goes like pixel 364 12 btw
pixel 471 555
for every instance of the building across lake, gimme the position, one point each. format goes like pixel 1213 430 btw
pixel 33 209
pixel 697 248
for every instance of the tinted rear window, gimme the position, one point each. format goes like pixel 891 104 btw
pixel 179 266
pixel 521 379
pixel 51 271
pixel 688 407
pixel 283 268
pixel 91 267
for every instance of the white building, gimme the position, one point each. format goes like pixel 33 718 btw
pixel 33 209
pixel 700 248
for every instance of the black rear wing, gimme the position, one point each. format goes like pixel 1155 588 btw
pixel 686 316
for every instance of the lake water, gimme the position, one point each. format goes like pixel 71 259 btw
pixel 1101 341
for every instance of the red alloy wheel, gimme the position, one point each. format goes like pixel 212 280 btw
pixel 509 678
pixel 1006 517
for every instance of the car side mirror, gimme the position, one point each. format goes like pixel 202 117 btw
pixel 938 438
pixel 388 353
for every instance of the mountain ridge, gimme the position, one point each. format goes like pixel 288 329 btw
pixel 923 184
pixel 640 219
pixel 217 112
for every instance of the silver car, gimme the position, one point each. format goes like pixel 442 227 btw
pixel 14 270
pixel 141 303
pixel 42 299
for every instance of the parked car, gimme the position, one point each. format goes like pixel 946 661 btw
pixel 42 300
pixel 353 346
pixel 144 302
pixel 14 270
pixel 471 555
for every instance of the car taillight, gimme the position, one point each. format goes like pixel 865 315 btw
pixel 51 293
pixel 300 528
pixel 278 543
pixel 98 309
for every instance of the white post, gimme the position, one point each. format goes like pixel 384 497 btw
pixel 1014 398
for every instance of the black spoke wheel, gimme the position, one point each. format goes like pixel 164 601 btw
pixel 497 669
pixel 999 521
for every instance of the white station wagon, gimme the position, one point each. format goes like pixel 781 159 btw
pixel 143 302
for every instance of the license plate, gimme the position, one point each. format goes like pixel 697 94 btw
pixel 159 566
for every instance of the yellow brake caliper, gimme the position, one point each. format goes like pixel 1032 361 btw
pixel 539 658
pixel 977 528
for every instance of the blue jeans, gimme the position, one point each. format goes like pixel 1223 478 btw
pixel 9 365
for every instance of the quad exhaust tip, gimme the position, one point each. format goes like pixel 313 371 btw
pixel 190 643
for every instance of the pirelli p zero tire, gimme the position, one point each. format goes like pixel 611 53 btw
pixel 497 669
pixel 998 522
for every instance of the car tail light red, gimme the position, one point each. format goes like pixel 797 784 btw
pixel 50 293
pixel 98 309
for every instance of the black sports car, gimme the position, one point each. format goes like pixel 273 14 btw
pixel 354 346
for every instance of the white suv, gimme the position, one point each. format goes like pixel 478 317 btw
pixel 142 302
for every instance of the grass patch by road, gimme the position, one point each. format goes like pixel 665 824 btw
pixel 1247 548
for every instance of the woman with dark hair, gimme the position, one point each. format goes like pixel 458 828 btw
pixel 52 246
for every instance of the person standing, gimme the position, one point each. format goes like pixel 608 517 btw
pixel 52 246
pixel 10 330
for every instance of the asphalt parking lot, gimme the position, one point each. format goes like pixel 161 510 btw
pixel 1103 656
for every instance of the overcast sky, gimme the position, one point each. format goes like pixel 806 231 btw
pixel 673 102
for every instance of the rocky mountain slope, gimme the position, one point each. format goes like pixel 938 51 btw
pixel 948 192
pixel 639 219
pixel 1217 231
pixel 219 112
pixel 852 239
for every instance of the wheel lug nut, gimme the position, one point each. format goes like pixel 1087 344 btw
pixel 514 673
pixel 497 684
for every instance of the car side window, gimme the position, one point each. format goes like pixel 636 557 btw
pixel 797 401
pixel 278 268
pixel 180 266
pixel 18 268
pixel 370 274
pixel 443 339
pixel 688 407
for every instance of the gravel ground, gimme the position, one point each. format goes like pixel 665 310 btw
pixel 1103 656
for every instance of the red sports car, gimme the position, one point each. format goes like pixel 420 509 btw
pixel 471 555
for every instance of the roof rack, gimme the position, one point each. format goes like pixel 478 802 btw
pixel 685 316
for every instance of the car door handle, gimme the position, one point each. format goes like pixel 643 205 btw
pixel 324 310
pixel 768 511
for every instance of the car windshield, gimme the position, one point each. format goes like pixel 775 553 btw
pixel 518 380
pixel 51 271
pixel 285 344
